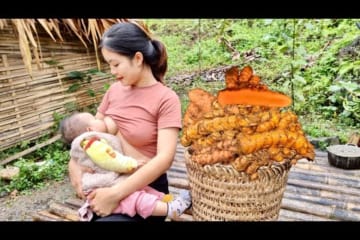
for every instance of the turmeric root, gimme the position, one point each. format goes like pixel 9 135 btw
pixel 200 103
pixel 243 126
pixel 216 156
pixel 253 97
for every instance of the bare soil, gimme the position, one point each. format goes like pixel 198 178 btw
pixel 19 207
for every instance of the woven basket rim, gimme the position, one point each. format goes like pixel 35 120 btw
pixel 223 170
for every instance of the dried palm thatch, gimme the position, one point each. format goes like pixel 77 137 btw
pixel 88 31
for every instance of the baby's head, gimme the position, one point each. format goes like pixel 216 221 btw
pixel 78 123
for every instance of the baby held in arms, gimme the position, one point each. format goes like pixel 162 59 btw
pixel 94 145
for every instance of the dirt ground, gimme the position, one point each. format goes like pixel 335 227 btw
pixel 20 207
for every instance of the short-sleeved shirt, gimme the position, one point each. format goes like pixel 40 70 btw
pixel 140 111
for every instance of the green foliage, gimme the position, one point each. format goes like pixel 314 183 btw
pixel 48 163
pixel 315 125
pixel 304 58
pixel 52 62
pixel 78 77
pixel 81 79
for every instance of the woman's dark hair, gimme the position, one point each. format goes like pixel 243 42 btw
pixel 127 38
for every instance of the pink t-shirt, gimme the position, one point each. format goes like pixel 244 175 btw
pixel 139 112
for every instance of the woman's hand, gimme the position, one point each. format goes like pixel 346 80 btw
pixel 103 201
pixel 75 173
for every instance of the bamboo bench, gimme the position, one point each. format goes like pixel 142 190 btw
pixel 315 191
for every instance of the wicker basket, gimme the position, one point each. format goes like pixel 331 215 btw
pixel 220 193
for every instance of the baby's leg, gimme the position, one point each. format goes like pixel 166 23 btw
pixel 174 208
pixel 180 204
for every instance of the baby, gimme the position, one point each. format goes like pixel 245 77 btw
pixel 80 127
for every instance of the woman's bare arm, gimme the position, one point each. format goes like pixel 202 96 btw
pixel 104 200
pixel 111 126
pixel 75 175
pixel 99 115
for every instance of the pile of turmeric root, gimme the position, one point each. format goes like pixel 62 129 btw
pixel 243 125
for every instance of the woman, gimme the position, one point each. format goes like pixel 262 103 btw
pixel 148 115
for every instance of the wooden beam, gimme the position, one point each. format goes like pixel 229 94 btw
pixel 64 211
pixel 29 150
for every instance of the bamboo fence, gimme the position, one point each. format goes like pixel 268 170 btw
pixel 28 102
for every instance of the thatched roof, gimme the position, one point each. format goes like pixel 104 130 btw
pixel 88 31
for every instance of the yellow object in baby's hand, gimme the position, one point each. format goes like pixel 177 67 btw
pixel 103 155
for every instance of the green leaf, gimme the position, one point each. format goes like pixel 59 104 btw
pixel 106 86
pixel 92 71
pixel 299 80
pixel 74 87
pixel 91 92
pixel 334 88
pixel 283 49
pixel 51 62
pixel 350 86
pixel 75 75
pixel 345 68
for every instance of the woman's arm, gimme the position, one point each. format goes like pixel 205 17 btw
pixel 75 174
pixel 105 200
pixel 99 115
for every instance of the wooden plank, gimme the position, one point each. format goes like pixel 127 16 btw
pixel 47 216
pixel 64 211
pixel 75 202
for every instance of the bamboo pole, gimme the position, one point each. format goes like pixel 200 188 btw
pixel 282 218
pixel 27 151
pixel 339 189
pixel 178 168
pixel 321 193
pixel 179 175
pixel 331 172
pixel 341 204
pixel 179 183
pixel 287 215
pixel 319 210
pixel 330 179
pixel 323 168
